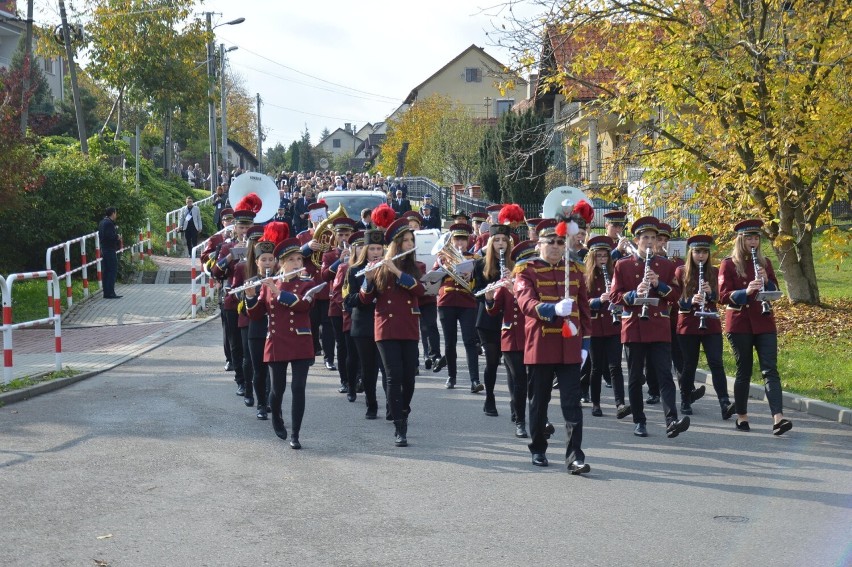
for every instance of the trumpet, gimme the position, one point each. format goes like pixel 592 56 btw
pixel 448 258
pixel 259 281
pixel 702 313
pixel 376 265
pixel 614 309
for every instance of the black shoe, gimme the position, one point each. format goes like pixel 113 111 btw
pixel 521 430
pixel 294 442
pixel 400 437
pixel 261 412
pixel 686 408
pixel 652 400
pixel 623 411
pixel 597 412
pixel 228 366
pixel 608 384
pixel 450 383
pixel 476 387
pixel 248 401
pixel 330 365
pixel 742 425
pixel 675 428
pixel 112 297
pixel 640 430
pixel 351 396
pixel 427 363
pixel 241 391
pixel 782 427
pixel 539 460
pixel 548 430
pixel 279 428
pixel 728 409
pixel 359 387
pixel 579 467
pixel 372 414
pixel 490 407
pixel 343 389
pixel 439 364
pixel 697 394
pixel 585 398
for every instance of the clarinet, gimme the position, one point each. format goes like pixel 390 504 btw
pixel 616 319
pixel 644 313
pixel 766 306
pixel 702 322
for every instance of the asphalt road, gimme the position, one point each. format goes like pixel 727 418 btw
pixel 157 462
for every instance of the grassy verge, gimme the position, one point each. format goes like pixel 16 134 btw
pixel 27 381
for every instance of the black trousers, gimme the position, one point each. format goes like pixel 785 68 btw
pixel 690 346
pixel 260 371
pixel 677 362
pixel 659 355
pixel 516 376
pixel 225 344
pixel 766 345
pixel 279 386
pixel 368 357
pixel 322 330
pixel 400 360
pixel 340 341
pixel 429 330
pixel 236 343
pixel 490 341
pixel 541 381
pixel 466 318
pixel 109 271
pixel 191 235
pixel 353 365
pixel 248 369
pixel 606 357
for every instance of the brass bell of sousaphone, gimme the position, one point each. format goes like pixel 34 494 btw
pixel 261 185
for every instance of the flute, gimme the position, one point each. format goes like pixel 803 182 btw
pixel 380 263
pixel 260 281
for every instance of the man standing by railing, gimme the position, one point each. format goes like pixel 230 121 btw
pixel 190 224
pixel 110 243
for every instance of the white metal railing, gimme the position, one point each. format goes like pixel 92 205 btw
pixel 55 317
pixel 199 276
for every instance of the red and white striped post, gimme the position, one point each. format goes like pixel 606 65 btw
pixel 85 262
pixel 98 259
pixel 150 246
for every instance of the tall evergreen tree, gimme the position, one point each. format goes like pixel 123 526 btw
pixel 306 152
pixel 490 165
pixel 525 160
pixel 293 155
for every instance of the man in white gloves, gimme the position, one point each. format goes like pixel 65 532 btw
pixel 557 330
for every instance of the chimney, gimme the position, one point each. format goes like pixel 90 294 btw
pixel 532 85
pixel 348 127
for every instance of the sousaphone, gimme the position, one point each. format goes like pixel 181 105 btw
pixel 261 185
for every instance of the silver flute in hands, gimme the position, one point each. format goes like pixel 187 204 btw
pixel 378 264
pixel 257 282
pixel 504 280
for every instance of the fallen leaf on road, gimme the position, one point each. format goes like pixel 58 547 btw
pixel 105 536
pixel 100 563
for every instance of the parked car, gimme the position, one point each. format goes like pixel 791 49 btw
pixel 353 201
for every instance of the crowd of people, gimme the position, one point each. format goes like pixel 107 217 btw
pixel 560 310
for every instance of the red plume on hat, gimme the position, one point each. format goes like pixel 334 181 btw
pixel 511 214
pixel 383 216
pixel 322 202
pixel 562 229
pixel 250 202
pixel 275 232
pixel 585 211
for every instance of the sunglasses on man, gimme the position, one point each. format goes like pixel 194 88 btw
pixel 556 241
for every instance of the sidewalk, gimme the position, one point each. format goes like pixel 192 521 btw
pixel 99 334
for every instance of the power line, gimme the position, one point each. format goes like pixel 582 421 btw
pixel 312 114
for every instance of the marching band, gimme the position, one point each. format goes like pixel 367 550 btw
pixel 552 308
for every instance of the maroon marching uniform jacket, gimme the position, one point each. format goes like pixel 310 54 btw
pixel 288 335
pixel 628 275
pixel 743 313
pixel 687 321
pixel 512 330
pixel 397 308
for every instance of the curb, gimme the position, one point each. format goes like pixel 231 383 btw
pixel 818 408
pixel 45 387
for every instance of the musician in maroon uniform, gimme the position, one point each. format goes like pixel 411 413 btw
pixel 477 220
pixel 289 341
pixel 208 257
pixel 331 260
pixel 557 331
pixel 323 333
pixel 429 335
pixel 749 324
pixel 241 275
pixel 695 332
pixel 503 303
pixel 614 226
pixel 224 270
pixel 646 331
pixel 457 305
pixel 605 350
pixel 396 287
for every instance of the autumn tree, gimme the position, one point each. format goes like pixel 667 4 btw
pixel 745 102
pixel 241 111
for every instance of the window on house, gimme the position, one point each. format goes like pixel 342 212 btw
pixel 473 75
pixel 335 143
pixel 48 66
pixel 504 106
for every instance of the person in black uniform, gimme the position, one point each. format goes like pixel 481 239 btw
pixel 110 243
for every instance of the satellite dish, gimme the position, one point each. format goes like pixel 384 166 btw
pixel 323 163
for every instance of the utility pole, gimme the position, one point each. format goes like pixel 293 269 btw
pixel 259 139
pixel 28 58
pixel 487 107
pixel 224 105
pixel 211 111
pixel 81 125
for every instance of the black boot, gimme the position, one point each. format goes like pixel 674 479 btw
pixel 278 425
pixel 521 430
pixel 490 407
pixel 400 439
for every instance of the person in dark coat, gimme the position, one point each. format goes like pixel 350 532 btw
pixel 110 243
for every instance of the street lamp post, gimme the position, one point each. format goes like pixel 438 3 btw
pixel 211 110
pixel 224 103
